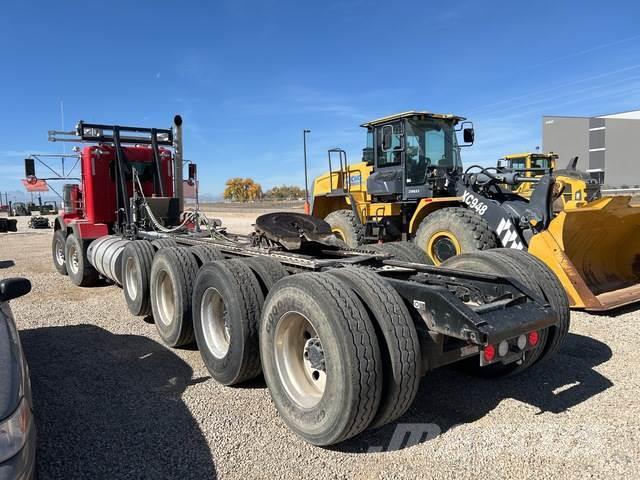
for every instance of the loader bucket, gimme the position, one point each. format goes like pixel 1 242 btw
pixel 595 252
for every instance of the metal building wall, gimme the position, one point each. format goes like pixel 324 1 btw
pixel 568 137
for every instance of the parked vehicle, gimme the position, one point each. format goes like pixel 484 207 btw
pixel 17 425
pixel 341 335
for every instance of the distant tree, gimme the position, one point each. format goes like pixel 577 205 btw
pixel 285 192
pixel 242 190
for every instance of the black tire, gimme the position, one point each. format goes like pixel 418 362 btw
pixel 178 268
pixel 317 313
pixel 137 258
pixel 205 254
pixel 347 227
pixel 451 231
pixel 267 270
pixel 228 346
pixel 397 337
pixel 553 292
pixel 78 267
pixel 57 252
pixel 403 251
pixel 489 262
pixel 163 243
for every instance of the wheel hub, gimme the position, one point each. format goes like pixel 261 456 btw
pixel 314 354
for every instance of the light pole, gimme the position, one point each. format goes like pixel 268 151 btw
pixel 306 181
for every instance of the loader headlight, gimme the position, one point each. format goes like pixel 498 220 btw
pixel 522 342
pixel 13 431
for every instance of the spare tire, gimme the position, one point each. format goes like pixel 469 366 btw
pixel 173 274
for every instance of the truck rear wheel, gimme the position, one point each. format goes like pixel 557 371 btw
pixel 205 254
pixel 78 267
pixel 451 231
pixel 553 292
pixel 173 274
pixel 320 358
pixel 227 302
pixel 402 251
pixel 57 252
pixel 267 270
pixel 489 262
pixel 398 340
pixel 163 243
pixel 347 227
pixel 137 258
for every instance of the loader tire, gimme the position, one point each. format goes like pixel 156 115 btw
pixel 402 251
pixel 305 316
pixel 163 243
pixel 553 292
pixel 490 262
pixel 347 227
pixel 227 301
pixel 78 267
pixel 267 270
pixel 397 337
pixel 451 231
pixel 137 259
pixel 57 252
pixel 173 274
pixel 205 254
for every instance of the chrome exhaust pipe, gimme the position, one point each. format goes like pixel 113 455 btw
pixel 178 160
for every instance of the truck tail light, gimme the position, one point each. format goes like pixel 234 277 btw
pixel 489 353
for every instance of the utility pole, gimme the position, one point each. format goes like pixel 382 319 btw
pixel 306 181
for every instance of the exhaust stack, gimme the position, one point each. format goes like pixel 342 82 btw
pixel 178 160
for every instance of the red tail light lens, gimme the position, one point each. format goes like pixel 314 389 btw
pixel 533 338
pixel 489 353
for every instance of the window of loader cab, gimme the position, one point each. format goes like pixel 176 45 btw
pixel 430 143
pixel 389 144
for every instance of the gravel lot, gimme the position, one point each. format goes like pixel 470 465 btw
pixel 112 402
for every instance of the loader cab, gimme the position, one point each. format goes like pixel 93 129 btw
pixel 413 154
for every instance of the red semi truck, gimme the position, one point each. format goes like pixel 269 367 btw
pixel 342 335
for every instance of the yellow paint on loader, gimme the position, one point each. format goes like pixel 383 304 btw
pixel 595 252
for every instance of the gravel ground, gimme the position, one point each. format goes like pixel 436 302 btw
pixel 112 402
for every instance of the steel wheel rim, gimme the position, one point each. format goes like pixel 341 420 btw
pixel 131 277
pixel 215 323
pixel 74 263
pixel 164 298
pixel 442 246
pixel 338 233
pixel 59 253
pixel 295 337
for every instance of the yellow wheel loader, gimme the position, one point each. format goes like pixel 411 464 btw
pixel 411 186
pixel 574 188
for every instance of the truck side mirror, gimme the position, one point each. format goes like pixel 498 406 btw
pixel 29 168
pixel 468 135
pixel 11 288
pixel 193 172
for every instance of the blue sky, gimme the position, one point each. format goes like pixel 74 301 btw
pixel 249 76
